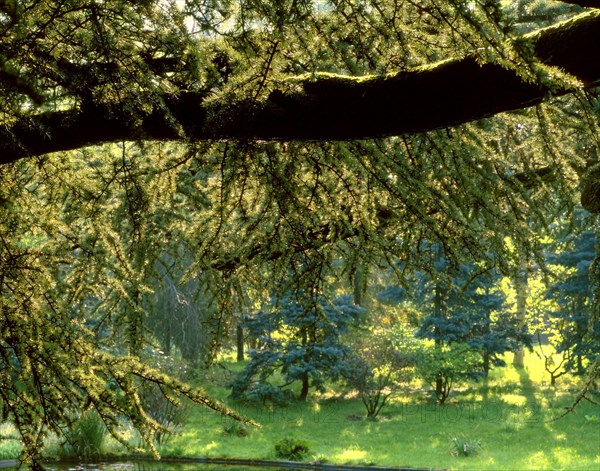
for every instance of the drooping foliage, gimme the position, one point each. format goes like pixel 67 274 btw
pixel 83 232
pixel 75 261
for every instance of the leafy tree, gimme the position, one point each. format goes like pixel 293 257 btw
pixel 117 82
pixel 182 314
pixel 300 338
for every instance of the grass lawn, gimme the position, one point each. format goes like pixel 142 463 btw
pixel 509 415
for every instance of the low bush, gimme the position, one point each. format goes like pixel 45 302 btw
pixel 168 413
pixel 235 428
pixel 292 449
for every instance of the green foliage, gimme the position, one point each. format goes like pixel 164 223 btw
pixel 84 438
pixel 445 366
pixel 300 338
pixel 292 449
pixel 83 233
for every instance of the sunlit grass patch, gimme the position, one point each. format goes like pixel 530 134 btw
pixel 350 455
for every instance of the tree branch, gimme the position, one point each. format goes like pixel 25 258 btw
pixel 583 3
pixel 326 107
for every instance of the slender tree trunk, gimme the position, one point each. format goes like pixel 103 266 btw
pixel 440 294
pixel 359 285
pixel 521 288
pixel 304 376
pixel 486 363
pixel 239 341
pixel 305 387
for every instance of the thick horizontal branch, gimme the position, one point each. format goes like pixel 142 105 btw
pixel 327 107
pixel 583 3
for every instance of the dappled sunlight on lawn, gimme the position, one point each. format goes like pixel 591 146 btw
pixel 210 446
pixel 514 399
pixel 511 423
pixel 350 455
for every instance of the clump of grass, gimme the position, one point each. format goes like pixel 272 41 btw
pixel 10 444
pixel 10 448
pixel 85 437
pixel 465 446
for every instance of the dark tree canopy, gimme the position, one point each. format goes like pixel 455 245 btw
pixel 270 140
pixel 313 106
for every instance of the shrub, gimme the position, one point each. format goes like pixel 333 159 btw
pixel 235 428
pixel 383 359
pixel 85 437
pixel 10 445
pixel 292 449
pixel 444 366
pixel 264 393
pixel 170 415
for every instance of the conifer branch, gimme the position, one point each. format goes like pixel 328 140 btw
pixel 327 107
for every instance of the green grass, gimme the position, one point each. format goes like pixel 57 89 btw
pixel 509 415
pixel 10 446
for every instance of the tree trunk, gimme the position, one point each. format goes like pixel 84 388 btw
pixel 325 106
pixel 239 341
pixel 359 284
pixel 520 281
pixel 305 387
pixel 306 358
pixel 440 306
pixel 486 363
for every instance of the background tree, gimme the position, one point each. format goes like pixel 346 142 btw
pixel 572 291
pixel 300 339
pixel 469 310
pixel 182 315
